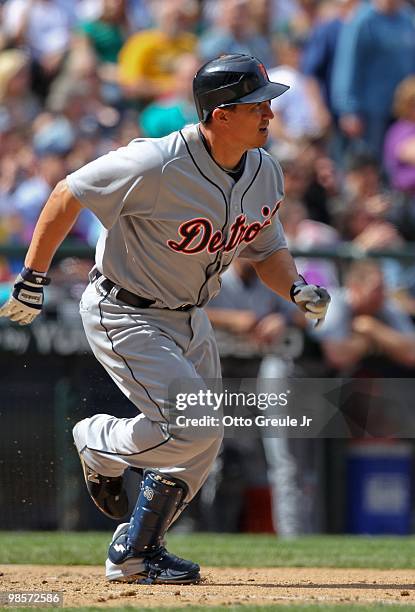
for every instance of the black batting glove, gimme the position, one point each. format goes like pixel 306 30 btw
pixel 26 301
pixel 311 299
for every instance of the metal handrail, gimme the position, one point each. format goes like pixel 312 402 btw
pixel 342 251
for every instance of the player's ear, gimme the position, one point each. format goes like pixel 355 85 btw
pixel 220 115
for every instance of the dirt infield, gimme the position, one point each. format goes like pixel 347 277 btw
pixel 86 586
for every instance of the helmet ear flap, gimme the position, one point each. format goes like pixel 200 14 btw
pixel 201 113
pixel 207 117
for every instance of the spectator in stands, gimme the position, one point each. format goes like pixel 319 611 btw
pixel 367 219
pixel 10 223
pixel 18 106
pixel 170 113
pixel 31 193
pixel 399 153
pixel 324 188
pixel 250 322
pixel 312 178
pixel 367 227
pixel 400 141
pixel 267 15
pixel 306 234
pixel 370 214
pixel 233 33
pixel 296 179
pixel 96 44
pixel 375 51
pixel 103 38
pixel 16 159
pixel 140 14
pixel 362 178
pixel 286 11
pixel 53 139
pixel 146 60
pixel 81 103
pixel 364 323
pixel 405 293
pixel 245 306
pixel 43 28
pixel 3 37
pixel 262 16
pixel 304 116
pixel 302 16
pixel 320 47
pixel 252 317
pixel 77 100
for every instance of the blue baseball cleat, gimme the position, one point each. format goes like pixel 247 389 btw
pixel 156 567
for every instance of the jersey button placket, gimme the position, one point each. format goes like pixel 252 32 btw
pixel 235 204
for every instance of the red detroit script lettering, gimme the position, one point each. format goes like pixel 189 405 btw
pixel 197 234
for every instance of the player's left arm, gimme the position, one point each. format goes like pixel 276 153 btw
pixel 278 271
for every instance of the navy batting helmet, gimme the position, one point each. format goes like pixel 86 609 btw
pixel 232 79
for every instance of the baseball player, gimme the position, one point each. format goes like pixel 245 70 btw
pixel 176 211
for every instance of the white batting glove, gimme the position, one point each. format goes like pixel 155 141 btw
pixel 26 301
pixel 311 299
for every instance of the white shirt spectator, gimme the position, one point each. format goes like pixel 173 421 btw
pixel 48 25
pixel 294 107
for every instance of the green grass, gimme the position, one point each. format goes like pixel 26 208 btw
pixel 239 550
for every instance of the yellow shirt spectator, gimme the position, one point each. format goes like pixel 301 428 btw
pixel 148 58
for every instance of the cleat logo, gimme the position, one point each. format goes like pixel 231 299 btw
pixel 119 547
pixel 93 477
pixel 148 493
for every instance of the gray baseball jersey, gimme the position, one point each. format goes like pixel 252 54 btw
pixel 173 221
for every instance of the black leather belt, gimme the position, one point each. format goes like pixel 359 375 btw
pixel 123 295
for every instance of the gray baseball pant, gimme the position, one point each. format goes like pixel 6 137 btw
pixel 144 351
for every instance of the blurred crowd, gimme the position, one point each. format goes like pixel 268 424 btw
pixel 78 78
pixel 81 77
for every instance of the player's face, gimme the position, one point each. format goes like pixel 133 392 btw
pixel 249 123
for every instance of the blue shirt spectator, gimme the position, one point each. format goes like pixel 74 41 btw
pixel 232 33
pixel 375 51
pixel 363 322
pixel 339 321
pixel 318 55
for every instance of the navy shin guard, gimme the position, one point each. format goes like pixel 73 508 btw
pixel 160 498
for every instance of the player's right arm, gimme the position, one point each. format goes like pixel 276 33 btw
pixel 55 222
pixel 122 182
